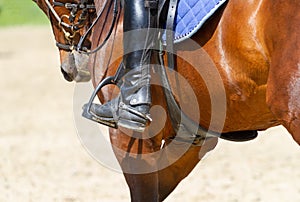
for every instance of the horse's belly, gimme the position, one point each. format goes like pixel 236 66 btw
pixel 237 107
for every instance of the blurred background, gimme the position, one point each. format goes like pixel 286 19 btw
pixel 20 12
pixel 41 156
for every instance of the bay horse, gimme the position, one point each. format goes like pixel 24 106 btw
pixel 255 47
pixel 70 20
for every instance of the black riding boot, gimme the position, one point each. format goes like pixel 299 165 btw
pixel 131 108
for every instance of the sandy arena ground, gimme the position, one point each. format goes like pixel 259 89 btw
pixel 42 158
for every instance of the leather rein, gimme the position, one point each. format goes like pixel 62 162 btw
pixel 76 25
pixel 80 49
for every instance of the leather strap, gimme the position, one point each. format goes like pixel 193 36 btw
pixel 170 33
pixel 65 47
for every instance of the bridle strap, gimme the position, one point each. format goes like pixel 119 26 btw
pixel 66 47
pixel 74 27
pixel 82 5
pixel 60 22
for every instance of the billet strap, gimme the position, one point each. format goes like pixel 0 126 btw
pixel 169 32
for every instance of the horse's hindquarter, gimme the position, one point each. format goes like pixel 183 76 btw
pixel 238 52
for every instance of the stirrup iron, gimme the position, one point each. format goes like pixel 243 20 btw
pixel 87 113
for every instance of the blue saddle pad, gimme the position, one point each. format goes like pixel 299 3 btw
pixel 191 15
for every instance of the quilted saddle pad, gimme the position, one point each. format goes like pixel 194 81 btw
pixel 191 15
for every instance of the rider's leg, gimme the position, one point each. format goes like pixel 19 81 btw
pixel 131 108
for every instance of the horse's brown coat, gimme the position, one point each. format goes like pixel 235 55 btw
pixel 255 46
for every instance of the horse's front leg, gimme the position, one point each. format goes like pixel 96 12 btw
pixel 138 161
pixel 283 87
pixel 143 187
pixel 152 172
pixel 172 175
pixel 283 92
